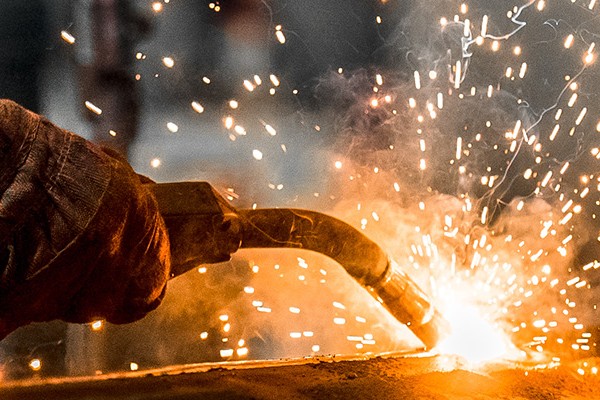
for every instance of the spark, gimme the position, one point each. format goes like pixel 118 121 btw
pixel 168 62
pixel 279 34
pixel 97 325
pixel 226 353
pixel 581 116
pixel 274 80
pixel 197 107
pixel 458 148
pixel 569 41
pixel 458 74
pixel 93 108
pixel 249 85
pixel 484 25
pixel 523 70
pixel 155 163
pixel 67 37
pixel 172 127
pixel 417 77
pixel 541 4
pixel 35 364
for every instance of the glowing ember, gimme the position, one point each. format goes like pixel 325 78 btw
pixel 93 108
pixel 257 154
pixel 157 7
pixel 279 34
pixel 97 325
pixel 155 162
pixel 67 37
pixel 197 107
pixel 168 62
pixel 172 127
pixel 35 364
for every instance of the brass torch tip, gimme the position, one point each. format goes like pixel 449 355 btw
pixel 405 300
pixel 433 332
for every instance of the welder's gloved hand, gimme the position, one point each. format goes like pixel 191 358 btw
pixel 80 237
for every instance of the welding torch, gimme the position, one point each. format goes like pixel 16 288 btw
pixel 204 229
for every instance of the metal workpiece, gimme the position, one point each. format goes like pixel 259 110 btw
pixel 203 229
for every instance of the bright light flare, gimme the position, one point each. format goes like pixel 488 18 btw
pixel 157 7
pixel 257 154
pixel 35 364
pixel 97 325
pixel 473 337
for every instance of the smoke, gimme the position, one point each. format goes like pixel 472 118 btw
pixel 438 162
pixel 458 173
pixel 441 154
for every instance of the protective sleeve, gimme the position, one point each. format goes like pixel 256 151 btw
pixel 80 237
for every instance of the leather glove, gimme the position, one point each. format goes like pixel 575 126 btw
pixel 80 237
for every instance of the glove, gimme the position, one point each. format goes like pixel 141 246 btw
pixel 80 237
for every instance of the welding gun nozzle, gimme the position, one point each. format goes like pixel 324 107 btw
pixel 410 305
